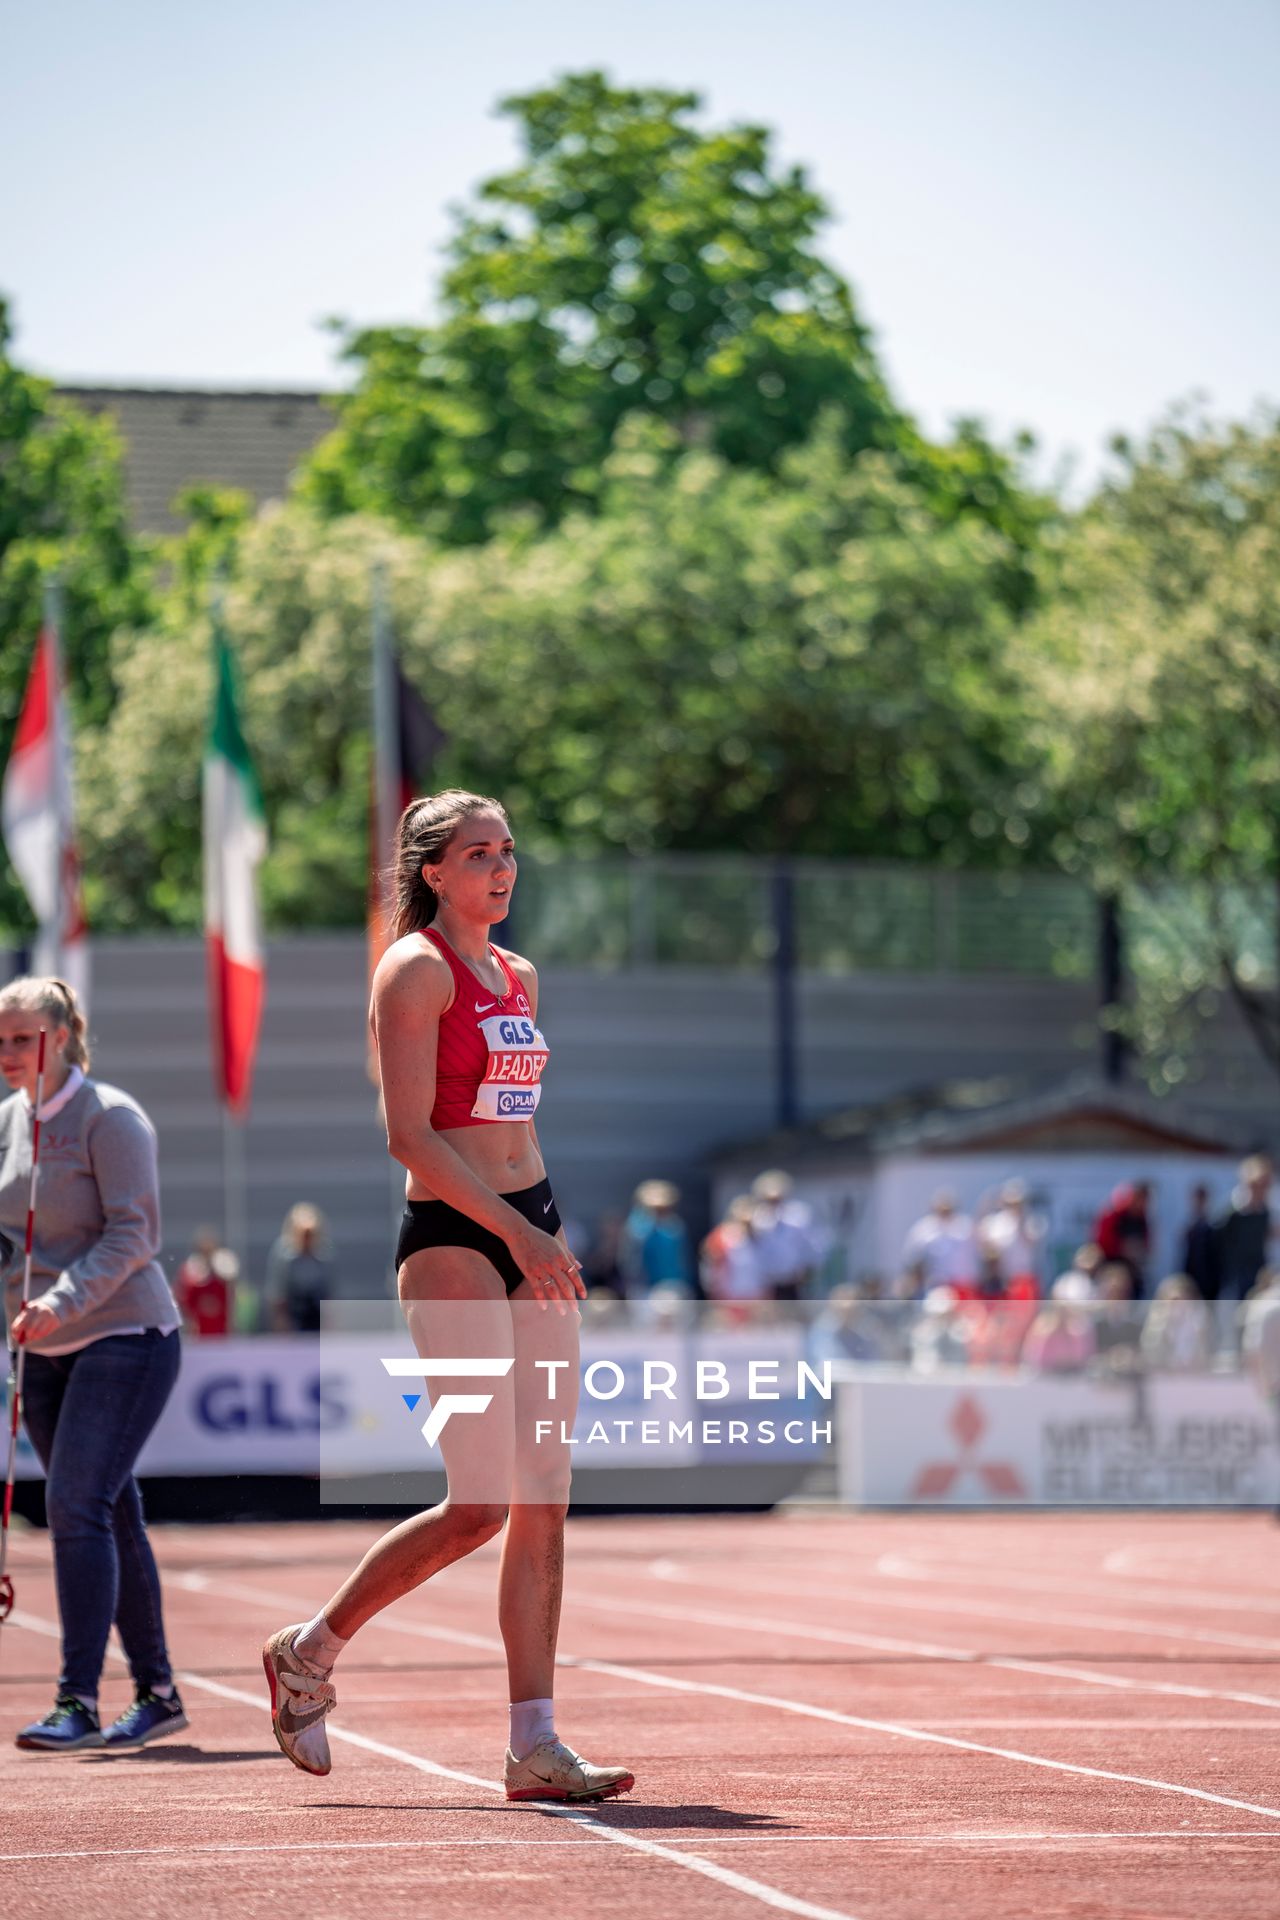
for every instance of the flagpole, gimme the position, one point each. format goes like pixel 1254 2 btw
pixel 49 944
pixel 386 770
pixel 386 796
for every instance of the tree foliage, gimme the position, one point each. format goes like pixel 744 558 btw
pixel 809 662
pixel 62 515
pixel 630 262
pixel 295 603
pixel 1159 635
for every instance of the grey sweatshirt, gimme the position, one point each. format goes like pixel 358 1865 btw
pixel 97 1224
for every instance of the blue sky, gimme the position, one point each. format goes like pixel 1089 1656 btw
pixel 1059 216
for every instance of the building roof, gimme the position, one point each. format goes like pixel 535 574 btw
pixel 1081 1114
pixel 176 437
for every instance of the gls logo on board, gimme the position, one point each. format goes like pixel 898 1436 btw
pixel 265 1403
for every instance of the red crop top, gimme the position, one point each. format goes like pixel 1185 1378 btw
pixel 491 1055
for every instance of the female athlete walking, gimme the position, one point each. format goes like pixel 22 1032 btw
pixel 101 1339
pixel 460 1056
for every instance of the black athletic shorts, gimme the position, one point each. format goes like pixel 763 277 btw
pixel 434 1223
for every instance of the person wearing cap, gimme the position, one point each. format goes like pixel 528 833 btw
pixel 655 1241
pixel 1014 1235
pixel 941 1245
pixel 788 1247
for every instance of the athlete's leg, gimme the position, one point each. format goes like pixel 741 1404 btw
pixel 531 1576
pixel 456 1306
pixel 538 1765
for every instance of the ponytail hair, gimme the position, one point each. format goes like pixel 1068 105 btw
pixel 426 828
pixel 60 1004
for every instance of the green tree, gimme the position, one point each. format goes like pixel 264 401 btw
pixel 1160 638
pixel 631 261
pixel 812 661
pixel 296 607
pixel 62 511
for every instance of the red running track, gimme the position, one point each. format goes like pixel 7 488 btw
pixel 987 1716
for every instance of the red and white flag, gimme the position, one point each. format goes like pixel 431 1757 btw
pixel 38 816
pixel 235 840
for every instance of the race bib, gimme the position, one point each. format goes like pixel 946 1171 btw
pixel 512 1085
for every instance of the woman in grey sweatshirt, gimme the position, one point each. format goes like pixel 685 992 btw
pixel 101 1337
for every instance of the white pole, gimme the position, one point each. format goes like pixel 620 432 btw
pixel 235 1198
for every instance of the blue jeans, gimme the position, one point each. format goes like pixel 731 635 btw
pixel 88 1415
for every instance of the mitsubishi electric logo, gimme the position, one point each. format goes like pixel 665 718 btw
pixel 448 1403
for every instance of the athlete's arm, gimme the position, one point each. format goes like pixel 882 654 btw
pixel 411 990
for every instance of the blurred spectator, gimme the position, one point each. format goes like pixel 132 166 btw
pixel 601 1263
pixel 908 1282
pixel 938 1336
pixel 1123 1231
pixel 1061 1338
pixel 1177 1334
pixel 787 1243
pixel 1261 1346
pixel 1084 1266
pixel 941 1244
pixel 1117 1324
pixel 205 1286
pixel 300 1274
pixel 997 1316
pixel 1199 1246
pixel 602 1309
pixel 848 1328
pixel 655 1241
pixel 1244 1232
pixel 730 1266
pixel 1014 1235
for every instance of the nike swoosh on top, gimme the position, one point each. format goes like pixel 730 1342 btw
pixel 483 1006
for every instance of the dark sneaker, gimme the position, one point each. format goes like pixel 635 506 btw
pixel 149 1718
pixel 68 1727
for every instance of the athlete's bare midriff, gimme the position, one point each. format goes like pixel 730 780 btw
pixel 502 1154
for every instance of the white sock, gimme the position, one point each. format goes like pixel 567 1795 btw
pixel 531 1721
pixel 89 1700
pixel 318 1644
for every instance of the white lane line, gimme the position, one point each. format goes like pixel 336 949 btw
pixel 1156 1592
pixel 585 1822
pixel 674 1575
pixel 958 1609
pixel 773 1629
pixel 1159 1593
pixel 980 1838
pixel 642 1677
pixel 898 1731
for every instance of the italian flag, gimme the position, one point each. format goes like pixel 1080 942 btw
pixel 235 840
